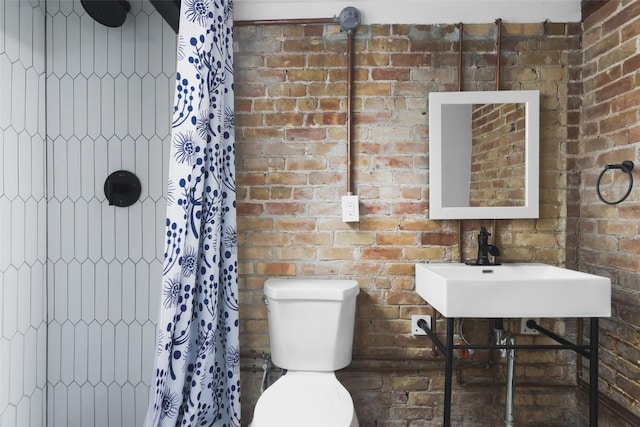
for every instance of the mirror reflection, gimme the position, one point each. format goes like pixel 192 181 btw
pixel 483 154
pixel 497 155
pixel 491 152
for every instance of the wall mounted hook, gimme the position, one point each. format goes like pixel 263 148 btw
pixel 627 167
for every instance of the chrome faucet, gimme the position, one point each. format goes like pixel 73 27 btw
pixel 485 249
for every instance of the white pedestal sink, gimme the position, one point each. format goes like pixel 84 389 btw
pixel 512 290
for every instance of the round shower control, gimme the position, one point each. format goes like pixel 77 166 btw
pixel 122 188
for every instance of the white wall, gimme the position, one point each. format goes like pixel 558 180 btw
pixel 414 11
pixel 22 215
pixel 109 99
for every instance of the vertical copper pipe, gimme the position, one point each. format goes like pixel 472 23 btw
pixel 349 106
pixel 460 249
pixel 460 50
pixel 499 53
pixel 349 71
pixel 495 232
pixel 498 70
pixel 580 341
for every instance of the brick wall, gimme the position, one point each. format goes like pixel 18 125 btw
pixel 291 164
pixel 607 236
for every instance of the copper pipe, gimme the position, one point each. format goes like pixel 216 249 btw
pixel 579 357
pixel 434 326
pixel 373 363
pixel 361 358
pixel 349 106
pixel 460 50
pixel 495 232
pixel 499 53
pixel 303 21
pixel 498 383
pixel 312 21
pixel 460 249
pixel 498 68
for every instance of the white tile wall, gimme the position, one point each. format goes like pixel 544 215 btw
pixel 23 326
pixel 109 94
pixel 77 313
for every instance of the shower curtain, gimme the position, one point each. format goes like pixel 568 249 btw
pixel 196 376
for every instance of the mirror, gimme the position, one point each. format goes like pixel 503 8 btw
pixel 484 154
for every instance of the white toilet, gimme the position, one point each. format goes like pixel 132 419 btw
pixel 311 334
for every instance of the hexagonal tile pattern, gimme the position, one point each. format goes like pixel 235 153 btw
pixel 89 348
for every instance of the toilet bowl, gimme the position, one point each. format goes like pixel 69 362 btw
pixel 305 399
pixel 311 324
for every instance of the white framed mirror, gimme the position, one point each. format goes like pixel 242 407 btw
pixel 484 154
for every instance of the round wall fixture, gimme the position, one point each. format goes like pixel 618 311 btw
pixel 626 167
pixel 122 188
pixel 349 19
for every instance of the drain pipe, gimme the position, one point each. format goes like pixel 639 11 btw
pixel 509 406
pixel 502 337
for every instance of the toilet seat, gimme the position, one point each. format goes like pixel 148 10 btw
pixel 305 399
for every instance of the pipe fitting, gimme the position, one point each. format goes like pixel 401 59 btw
pixel 349 19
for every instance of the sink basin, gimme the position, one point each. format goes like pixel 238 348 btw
pixel 512 290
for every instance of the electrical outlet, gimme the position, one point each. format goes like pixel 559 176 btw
pixel 415 329
pixel 524 330
pixel 350 209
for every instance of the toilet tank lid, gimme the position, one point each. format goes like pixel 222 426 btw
pixel 313 289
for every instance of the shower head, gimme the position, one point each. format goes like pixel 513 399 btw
pixel 349 19
pixel 111 13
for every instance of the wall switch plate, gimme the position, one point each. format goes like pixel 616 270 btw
pixel 524 330
pixel 350 209
pixel 415 329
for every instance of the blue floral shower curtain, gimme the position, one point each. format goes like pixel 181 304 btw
pixel 196 377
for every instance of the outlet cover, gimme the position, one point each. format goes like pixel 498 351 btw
pixel 415 329
pixel 350 209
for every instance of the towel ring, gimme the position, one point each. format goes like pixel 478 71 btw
pixel 626 166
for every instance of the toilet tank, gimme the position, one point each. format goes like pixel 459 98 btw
pixel 311 322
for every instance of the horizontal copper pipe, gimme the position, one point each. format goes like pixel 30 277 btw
pixel 366 363
pixel 302 21
pixel 486 382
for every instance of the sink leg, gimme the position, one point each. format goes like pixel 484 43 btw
pixel 448 372
pixel 593 372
